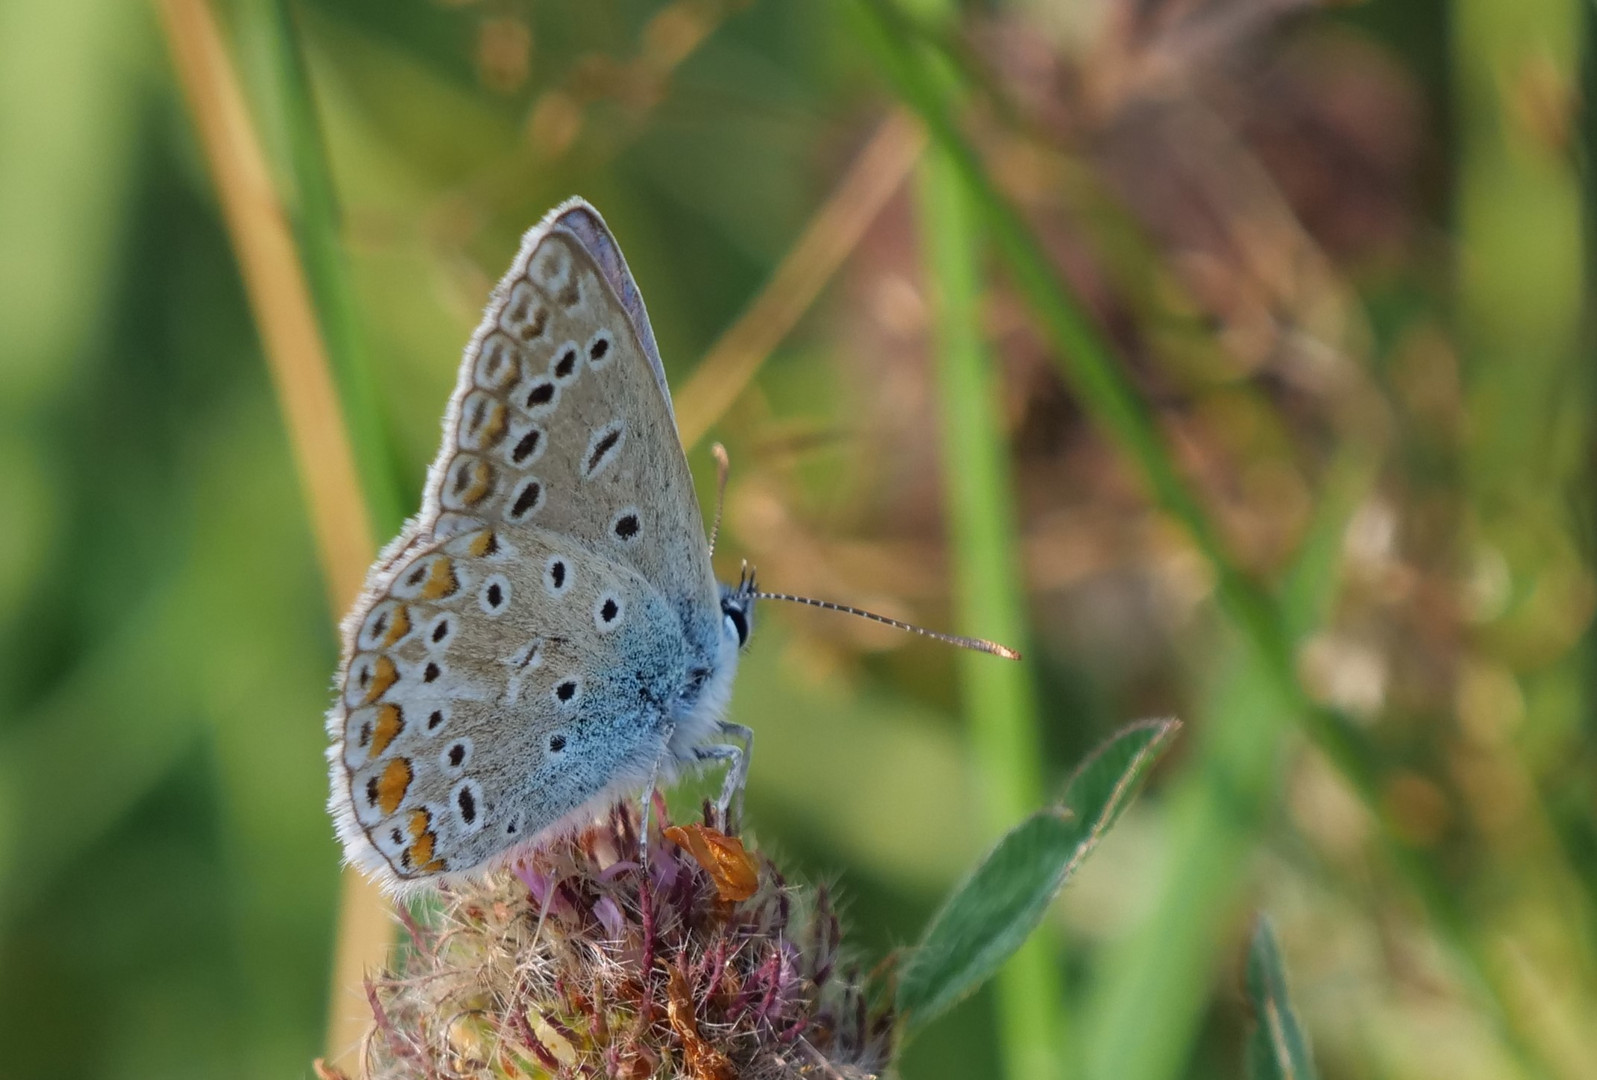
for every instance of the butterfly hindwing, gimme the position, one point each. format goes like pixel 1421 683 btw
pixel 499 682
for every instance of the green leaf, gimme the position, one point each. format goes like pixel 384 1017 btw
pixel 1277 1049
pixel 995 910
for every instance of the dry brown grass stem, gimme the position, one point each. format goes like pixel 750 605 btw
pixel 729 366
pixel 275 284
pixel 278 296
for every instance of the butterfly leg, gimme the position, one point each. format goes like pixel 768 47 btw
pixel 730 804
pixel 645 813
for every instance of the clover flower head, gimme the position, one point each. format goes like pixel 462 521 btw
pixel 581 961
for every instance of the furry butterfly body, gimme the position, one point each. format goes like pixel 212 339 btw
pixel 547 632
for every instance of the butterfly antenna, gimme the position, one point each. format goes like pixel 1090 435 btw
pixel 977 644
pixel 723 466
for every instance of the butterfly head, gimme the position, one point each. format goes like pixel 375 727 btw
pixel 737 607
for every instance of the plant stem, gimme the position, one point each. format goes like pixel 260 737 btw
pixel 999 701
pixel 320 235
pixel 279 298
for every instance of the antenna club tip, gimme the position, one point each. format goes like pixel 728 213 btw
pixel 1006 652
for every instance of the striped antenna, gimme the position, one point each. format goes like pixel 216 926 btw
pixel 747 588
pixel 978 644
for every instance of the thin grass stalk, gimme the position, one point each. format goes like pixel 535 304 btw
pixel 832 232
pixel 1576 828
pixel 1090 367
pixel 999 700
pixel 279 298
pixel 364 927
pixel 320 231
pixel 1087 363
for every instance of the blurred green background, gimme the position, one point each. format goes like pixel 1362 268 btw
pixel 1341 252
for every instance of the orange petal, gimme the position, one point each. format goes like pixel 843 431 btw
pixel 703 1060
pixel 734 871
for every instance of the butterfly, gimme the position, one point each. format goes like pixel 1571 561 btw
pixel 547 634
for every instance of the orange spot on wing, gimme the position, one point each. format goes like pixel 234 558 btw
pixel 384 675
pixel 393 784
pixel 734 871
pixel 420 822
pixel 390 722
pixel 421 852
pixel 398 625
pixel 493 427
pixel 441 579
pixel 480 481
pixel 483 544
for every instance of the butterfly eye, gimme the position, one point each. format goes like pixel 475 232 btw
pixel 739 622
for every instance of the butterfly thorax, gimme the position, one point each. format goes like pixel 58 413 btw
pixel 703 701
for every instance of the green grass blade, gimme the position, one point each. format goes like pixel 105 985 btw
pixel 319 229
pixel 993 912
pixel 1277 1048
pixel 999 700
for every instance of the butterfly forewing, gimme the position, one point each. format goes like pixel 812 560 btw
pixel 517 649
pixel 560 422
